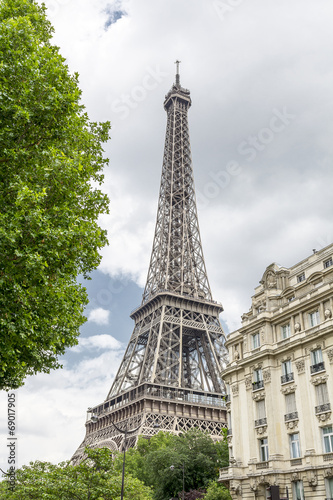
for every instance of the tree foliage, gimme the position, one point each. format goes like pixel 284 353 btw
pixel 93 479
pixel 51 159
pixel 151 460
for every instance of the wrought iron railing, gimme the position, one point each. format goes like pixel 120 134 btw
pixel 288 377
pixel 323 408
pixel 291 416
pixel 260 421
pixel 262 465
pixel 317 367
pixel 257 385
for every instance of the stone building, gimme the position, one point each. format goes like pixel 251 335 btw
pixel 280 387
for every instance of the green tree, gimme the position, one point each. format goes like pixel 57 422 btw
pixel 151 460
pixel 51 159
pixel 216 491
pixel 95 478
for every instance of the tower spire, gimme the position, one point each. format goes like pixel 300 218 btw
pixel 177 73
pixel 170 375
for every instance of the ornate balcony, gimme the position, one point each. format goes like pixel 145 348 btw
pixel 291 416
pixel 288 377
pixel 261 421
pixel 323 408
pixel 257 385
pixel 318 367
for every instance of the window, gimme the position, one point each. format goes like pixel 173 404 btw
pixel 291 411
pixel 329 487
pixel 328 263
pixel 258 382
pixel 300 277
pixel 328 439
pixel 295 450
pixel 298 490
pixel 255 340
pixel 316 356
pixel 285 331
pixel 261 413
pixel 317 364
pixel 287 374
pixel 322 394
pixel 314 318
pixel 263 449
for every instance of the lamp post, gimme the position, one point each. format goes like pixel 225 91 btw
pixel 172 467
pixel 125 431
pixel 94 419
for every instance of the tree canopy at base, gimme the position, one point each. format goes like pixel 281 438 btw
pixel 51 159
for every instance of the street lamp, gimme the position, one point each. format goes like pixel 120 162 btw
pixel 94 419
pixel 172 467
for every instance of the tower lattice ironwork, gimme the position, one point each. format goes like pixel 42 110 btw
pixel 170 376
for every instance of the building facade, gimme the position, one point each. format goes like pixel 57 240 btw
pixel 280 386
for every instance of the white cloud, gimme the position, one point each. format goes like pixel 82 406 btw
pixel 97 342
pixel 99 316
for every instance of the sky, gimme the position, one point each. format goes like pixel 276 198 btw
pixel 261 78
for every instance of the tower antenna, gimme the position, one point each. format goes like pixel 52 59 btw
pixel 177 73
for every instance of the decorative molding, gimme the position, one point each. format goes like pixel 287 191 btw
pixel 266 375
pixel 330 355
pixel 300 365
pixel 323 417
pixel 261 430
pixel 292 424
pixel 328 314
pixel 328 472
pixel 312 479
pixel 297 327
pixel 258 395
pixel 248 382
pixel 288 389
pixel 319 379
pixel 235 389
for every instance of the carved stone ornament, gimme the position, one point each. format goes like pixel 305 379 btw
pixel 254 485
pixel 300 365
pixel 271 280
pixel 236 355
pixel 248 383
pixel 235 389
pixel 262 479
pixel 320 379
pixel 328 313
pixel 312 479
pixel 292 424
pixel 322 417
pixel 261 430
pixel 330 355
pixel 258 395
pixel 266 375
pixel 288 389
pixel 297 327
pixel 295 476
pixel 328 472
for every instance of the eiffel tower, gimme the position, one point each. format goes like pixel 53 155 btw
pixel 170 376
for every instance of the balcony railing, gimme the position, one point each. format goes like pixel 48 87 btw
pixel 262 465
pixel 323 408
pixel 261 421
pixel 295 461
pixel 291 416
pixel 318 367
pixel 288 377
pixel 257 385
